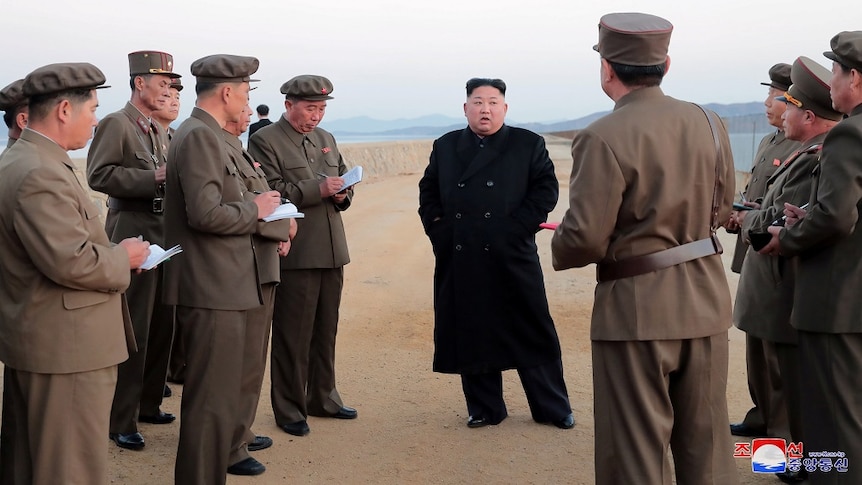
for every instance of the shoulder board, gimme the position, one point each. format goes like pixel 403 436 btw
pixel 813 148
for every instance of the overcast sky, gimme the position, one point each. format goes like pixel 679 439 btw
pixel 391 59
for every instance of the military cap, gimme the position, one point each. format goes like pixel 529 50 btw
pixel 56 78
pixel 225 68
pixel 308 87
pixel 847 49
pixel 176 84
pixel 634 39
pixel 810 89
pixel 12 96
pixel 779 77
pixel 151 62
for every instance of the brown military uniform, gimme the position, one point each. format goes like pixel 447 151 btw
pixel 63 325
pixel 658 338
pixel 266 239
pixel 303 341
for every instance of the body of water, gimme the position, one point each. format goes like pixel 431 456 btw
pixel 743 145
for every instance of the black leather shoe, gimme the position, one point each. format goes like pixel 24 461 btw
pixel 477 422
pixel 161 418
pixel 346 413
pixel 299 428
pixel 130 441
pixel 742 429
pixel 249 466
pixel 793 477
pixel 260 443
pixel 167 392
pixel 566 423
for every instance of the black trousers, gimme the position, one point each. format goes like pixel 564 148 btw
pixel 544 386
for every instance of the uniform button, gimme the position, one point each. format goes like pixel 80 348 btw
pixel 481 145
pixel 487 215
pixel 457 247
pixel 460 186
pixel 458 215
pixel 489 183
pixel 487 247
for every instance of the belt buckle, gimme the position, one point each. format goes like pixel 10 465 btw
pixel 158 205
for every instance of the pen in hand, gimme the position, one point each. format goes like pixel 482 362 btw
pixel 780 222
pixel 257 192
pixel 321 174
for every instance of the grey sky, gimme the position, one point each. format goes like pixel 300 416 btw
pixel 393 59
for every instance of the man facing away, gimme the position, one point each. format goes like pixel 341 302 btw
pixel 650 183
pixel 302 162
pixel 263 119
pixel 13 103
pixel 214 284
pixel 126 161
pixel 481 200
pixel 63 325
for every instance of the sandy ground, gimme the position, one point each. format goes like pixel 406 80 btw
pixel 411 426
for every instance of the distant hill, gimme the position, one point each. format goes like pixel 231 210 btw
pixel 740 118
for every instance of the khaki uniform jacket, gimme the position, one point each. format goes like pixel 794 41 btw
pixel 642 181
pixel 827 245
pixel 773 149
pixel 267 234
pixel 320 241
pixel 206 212
pixel 61 309
pixel 121 163
pixel 764 297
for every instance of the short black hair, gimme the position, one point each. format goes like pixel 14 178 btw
pixel 202 87
pixel 9 117
pixel 478 82
pixel 41 104
pixel 262 109
pixel 642 76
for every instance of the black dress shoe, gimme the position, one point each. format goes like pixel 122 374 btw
pixel 260 443
pixel 249 466
pixel 566 423
pixel 346 413
pixel 477 422
pixel 793 477
pixel 742 429
pixel 299 428
pixel 129 441
pixel 167 392
pixel 161 418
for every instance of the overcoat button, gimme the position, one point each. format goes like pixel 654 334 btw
pixel 457 247
pixel 458 215
pixel 487 215
pixel 489 183
pixel 460 186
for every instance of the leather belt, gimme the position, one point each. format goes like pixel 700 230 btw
pixel 648 263
pixel 156 205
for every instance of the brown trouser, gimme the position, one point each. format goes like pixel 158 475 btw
pixel 654 394
pixel 211 395
pixel 129 394
pixel 830 364
pixel 253 367
pixel 304 325
pixel 61 427
pixel 769 412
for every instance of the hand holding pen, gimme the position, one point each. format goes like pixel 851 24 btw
pixel 266 203
pixel 792 215
pixel 257 192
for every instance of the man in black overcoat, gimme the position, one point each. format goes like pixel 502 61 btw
pixel 484 193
